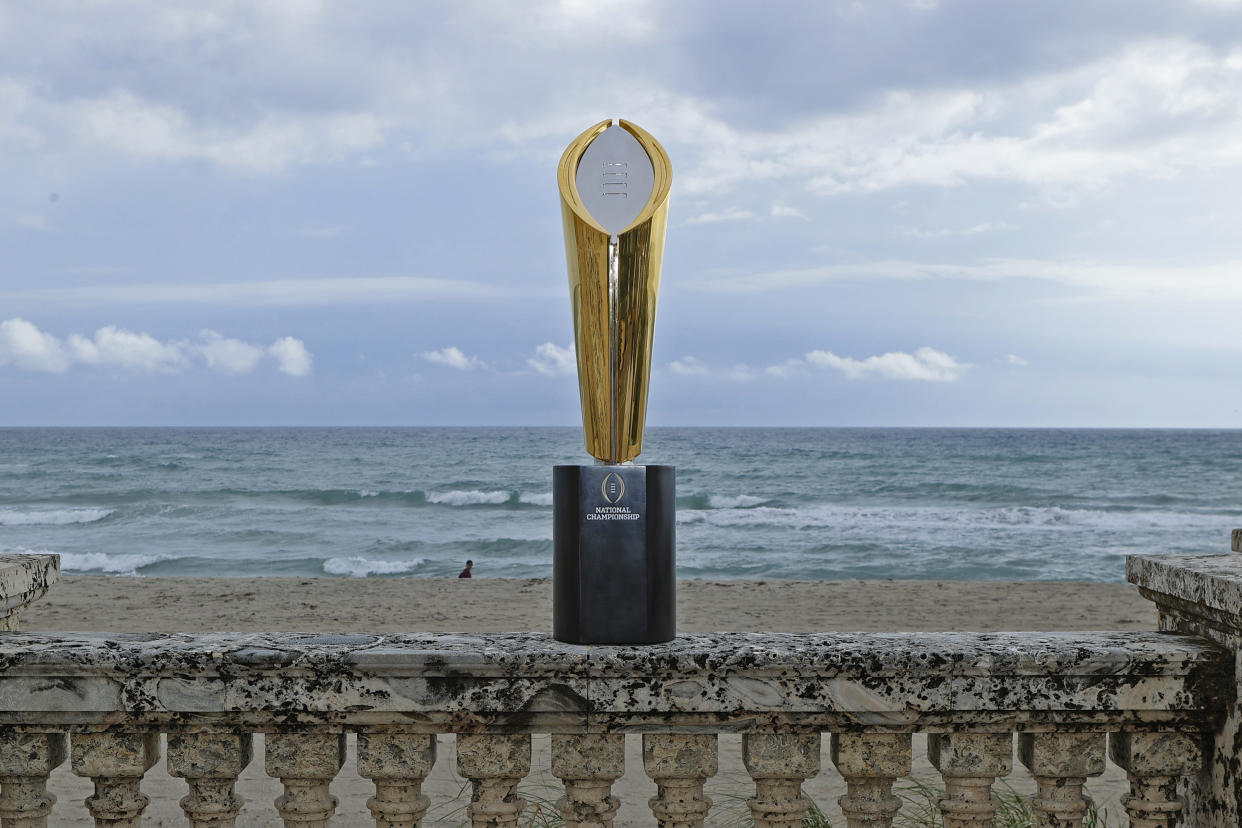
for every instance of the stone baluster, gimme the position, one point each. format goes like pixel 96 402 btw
pixel 680 763
pixel 970 763
pixel 779 763
pixel 115 760
pixel 494 764
pixel 26 759
pixel 1155 762
pixel 210 762
pixel 397 763
pixel 870 763
pixel 588 764
pixel 1061 763
pixel 306 764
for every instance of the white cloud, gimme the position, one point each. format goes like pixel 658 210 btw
pixel 1205 282
pixel 926 364
pixel 127 124
pixel 276 292
pixel 688 366
pixel 1152 109
pixel 34 221
pixel 453 358
pixel 1015 360
pixel 25 346
pixel 228 356
pixel 780 210
pixel 728 214
pixel 973 230
pixel 741 373
pixel 789 368
pixel 125 349
pixel 291 356
pixel 552 360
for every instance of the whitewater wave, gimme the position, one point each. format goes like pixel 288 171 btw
pixel 125 564
pixel 536 498
pixel 471 497
pixel 51 517
pixel 360 567
pixel 868 518
pixel 734 501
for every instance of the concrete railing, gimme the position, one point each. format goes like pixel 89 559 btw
pixel 1161 705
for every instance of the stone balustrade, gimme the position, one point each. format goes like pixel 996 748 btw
pixel 1161 705
pixel 1152 695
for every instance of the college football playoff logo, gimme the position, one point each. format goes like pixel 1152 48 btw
pixel 613 487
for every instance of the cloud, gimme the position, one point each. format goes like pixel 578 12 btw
pixel 728 214
pixel 125 349
pixel 291 356
pixel 552 360
pixel 1150 110
pixel 741 373
pixel 973 230
pixel 275 292
pixel 688 366
pixel 130 125
pixel 33 221
pixel 1211 282
pixel 789 368
pixel 1015 360
pixel 453 358
pixel 780 210
pixel 228 356
pixel 24 346
pixel 925 364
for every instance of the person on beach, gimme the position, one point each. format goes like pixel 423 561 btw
pixel 465 573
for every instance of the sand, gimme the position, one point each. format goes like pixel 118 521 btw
pixel 492 605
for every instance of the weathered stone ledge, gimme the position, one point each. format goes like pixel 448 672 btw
pixel 524 681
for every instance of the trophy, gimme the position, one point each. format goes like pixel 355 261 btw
pixel 614 580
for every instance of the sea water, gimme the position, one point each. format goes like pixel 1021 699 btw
pixel 752 502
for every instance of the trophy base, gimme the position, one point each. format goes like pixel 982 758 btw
pixel 614 578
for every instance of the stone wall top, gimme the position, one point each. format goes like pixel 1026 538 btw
pixel 1210 582
pixel 901 681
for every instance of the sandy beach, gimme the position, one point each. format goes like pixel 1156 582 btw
pixel 488 605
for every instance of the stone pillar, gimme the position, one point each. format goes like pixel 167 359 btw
pixel 970 763
pixel 588 764
pixel 1155 762
pixel 210 762
pixel 397 763
pixel 680 764
pixel 24 579
pixel 1061 763
pixel 779 764
pixel 870 764
pixel 115 761
pixel 26 759
pixel 306 764
pixel 1202 595
pixel 494 764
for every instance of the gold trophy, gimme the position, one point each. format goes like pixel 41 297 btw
pixel 613 574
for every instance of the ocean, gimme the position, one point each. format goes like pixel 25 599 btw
pixel 831 503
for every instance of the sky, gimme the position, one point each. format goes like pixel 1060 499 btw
pixel 888 213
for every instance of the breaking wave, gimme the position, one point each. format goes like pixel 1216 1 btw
pixel 51 517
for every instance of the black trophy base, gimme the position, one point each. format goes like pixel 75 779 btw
pixel 614 577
